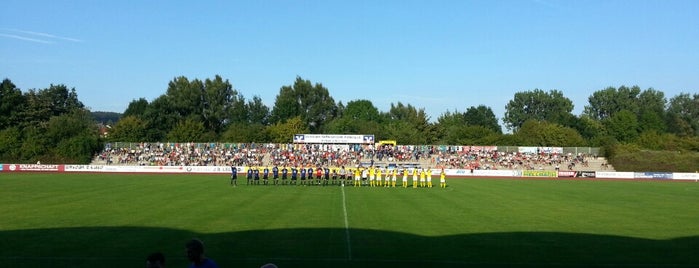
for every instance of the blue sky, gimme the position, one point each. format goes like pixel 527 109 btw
pixel 437 55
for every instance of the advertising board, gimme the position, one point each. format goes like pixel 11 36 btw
pixel 567 174
pixel 653 175
pixel 540 173
pixel 84 168
pixel 329 138
pixel 34 168
pixel 614 175
pixel 585 174
pixel 494 173
pixel 685 176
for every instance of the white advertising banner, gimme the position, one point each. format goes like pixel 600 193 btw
pixel 478 173
pixel 84 168
pixel 152 169
pixel 685 176
pixel 614 175
pixel 345 139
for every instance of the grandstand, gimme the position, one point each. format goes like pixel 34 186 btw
pixel 462 157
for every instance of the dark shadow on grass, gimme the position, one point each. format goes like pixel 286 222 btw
pixel 128 247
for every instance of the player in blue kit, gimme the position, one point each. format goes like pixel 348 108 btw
pixel 256 175
pixel 275 175
pixel 294 174
pixel 326 176
pixel 265 175
pixel 285 174
pixel 303 175
pixel 249 176
pixel 234 175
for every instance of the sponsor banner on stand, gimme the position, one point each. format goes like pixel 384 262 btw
pixel 84 168
pixel 614 175
pixel 34 168
pixel 1 167
pixel 494 173
pixel 213 169
pixel 585 174
pixel 653 175
pixel 685 176
pixel 458 172
pixel 540 173
pixel 567 174
pixel 152 169
pixel 477 173
pixel 576 174
pixel 333 138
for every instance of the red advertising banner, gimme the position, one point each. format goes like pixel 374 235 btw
pixel 33 168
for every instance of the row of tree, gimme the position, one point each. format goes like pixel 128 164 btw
pixel 49 125
pixel 53 124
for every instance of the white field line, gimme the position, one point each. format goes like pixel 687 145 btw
pixel 347 231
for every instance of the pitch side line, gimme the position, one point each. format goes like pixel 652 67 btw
pixel 388 261
pixel 347 232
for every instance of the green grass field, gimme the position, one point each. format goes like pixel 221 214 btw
pixel 106 220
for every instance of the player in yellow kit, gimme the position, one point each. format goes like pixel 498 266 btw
pixel 429 178
pixel 442 179
pixel 422 178
pixel 394 176
pixel 415 177
pixel 379 174
pixel 357 177
pixel 405 177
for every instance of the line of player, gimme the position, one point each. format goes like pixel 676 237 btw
pixel 360 176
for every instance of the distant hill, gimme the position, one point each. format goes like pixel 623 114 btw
pixel 106 117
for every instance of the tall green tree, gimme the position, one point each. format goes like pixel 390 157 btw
pixel 543 133
pixel 605 103
pixel 482 116
pixel 358 117
pixel 409 125
pixel 73 137
pixel 238 112
pixel 187 130
pixel 136 108
pixel 218 98
pixel 12 104
pixel 53 101
pixel 161 117
pixel 651 113
pixel 312 102
pixel 258 112
pixel 129 129
pixel 246 132
pixel 284 132
pixel 448 127
pixel 10 145
pixel 623 126
pixel 212 102
pixel 539 105
pixel 683 115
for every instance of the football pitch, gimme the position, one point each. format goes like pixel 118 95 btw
pixel 111 220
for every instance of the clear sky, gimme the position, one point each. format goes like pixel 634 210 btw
pixel 437 55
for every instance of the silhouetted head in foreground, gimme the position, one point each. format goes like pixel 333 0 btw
pixel 155 260
pixel 195 254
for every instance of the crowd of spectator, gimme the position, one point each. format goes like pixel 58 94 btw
pixel 491 159
pixel 218 154
pixel 215 154
pixel 343 155
pixel 182 154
